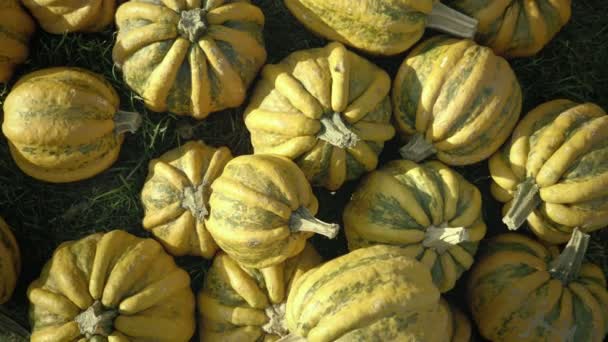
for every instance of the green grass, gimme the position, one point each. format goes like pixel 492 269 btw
pixel 44 215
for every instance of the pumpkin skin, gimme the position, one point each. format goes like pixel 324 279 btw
pixel 327 109
pixel 175 197
pixel 62 16
pixel 244 312
pixel 139 292
pixel 262 210
pixel 412 205
pixel 560 148
pixel 456 99
pixel 190 58
pixel 514 296
pixel 516 28
pixel 10 262
pixel 373 293
pixel 459 324
pixel 16 28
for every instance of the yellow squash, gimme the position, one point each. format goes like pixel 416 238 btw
pixel 10 262
pixel 63 124
pixel 16 27
pixel 175 197
pixel 455 99
pixel 428 209
pixel 61 16
pixel 522 291
pixel 190 57
pixel 239 304
pixel 554 171
pixel 262 210
pixel 111 287
pixel 327 109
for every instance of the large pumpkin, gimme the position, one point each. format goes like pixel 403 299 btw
pixel 379 27
pixel 176 195
pixel 516 28
pixel 428 209
pixel 554 171
pixel 239 304
pixel 63 124
pixel 190 58
pixel 522 291
pixel 325 108
pixel 262 210
pixel 10 262
pixel 61 16
pixel 16 27
pixel 455 99
pixel 115 287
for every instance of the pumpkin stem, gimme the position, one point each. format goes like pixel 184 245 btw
pixel 193 24
pixel 302 220
pixel 442 237
pixel 567 266
pixel 194 200
pixel 417 149
pixel 126 122
pixel 446 19
pixel 335 131
pixel 11 330
pixel 96 320
pixel 277 325
pixel 526 199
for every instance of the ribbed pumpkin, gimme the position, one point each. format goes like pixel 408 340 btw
pixel 61 16
pixel 428 209
pixel 554 171
pixel 455 99
pixel 115 287
pixel 16 27
pixel 379 27
pixel 325 108
pixel 190 58
pixel 262 210
pixel 374 293
pixel 516 28
pixel 63 124
pixel 459 324
pixel 522 291
pixel 10 262
pixel 239 304
pixel 175 197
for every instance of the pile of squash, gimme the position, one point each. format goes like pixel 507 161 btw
pixel 319 117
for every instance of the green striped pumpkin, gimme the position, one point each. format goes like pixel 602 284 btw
pixel 10 262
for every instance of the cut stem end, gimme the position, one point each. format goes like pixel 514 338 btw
pixel 276 320
pixel 302 220
pixel 193 24
pixel 567 266
pixel 417 149
pixel 526 199
pixel 442 237
pixel 126 122
pixel 195 201
pixel 446 19
pixel 96 320
pixel 336 132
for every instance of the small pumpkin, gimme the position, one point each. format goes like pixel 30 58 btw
pixel 428 209
pixel 516 28
pixel 327 109
pixel 379 27
pixel 111 286
pixel 455 99
pixel 521 290
pixel 554 171
pixel 262 210
pixel 10 262
pixel 190 58
pixel 459 324
pixel 63 124
pixel 62 16
pixel 239 304
pixel 16 28
pixel 175 197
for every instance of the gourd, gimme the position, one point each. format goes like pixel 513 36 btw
pixel 455 99
pixel 516 28
pixel 379 27
pixel 111 286
pixel 16 28
pixel 428 209
pixel 262 211
pixel 189 58
pixel 325 108
pixel 63 124
pixel 246 305
pixel 63 16
pixel 554 171
pixel 374 293
pixel 10 262
pixel 175 197
pixel 521 290
pixel 459 324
